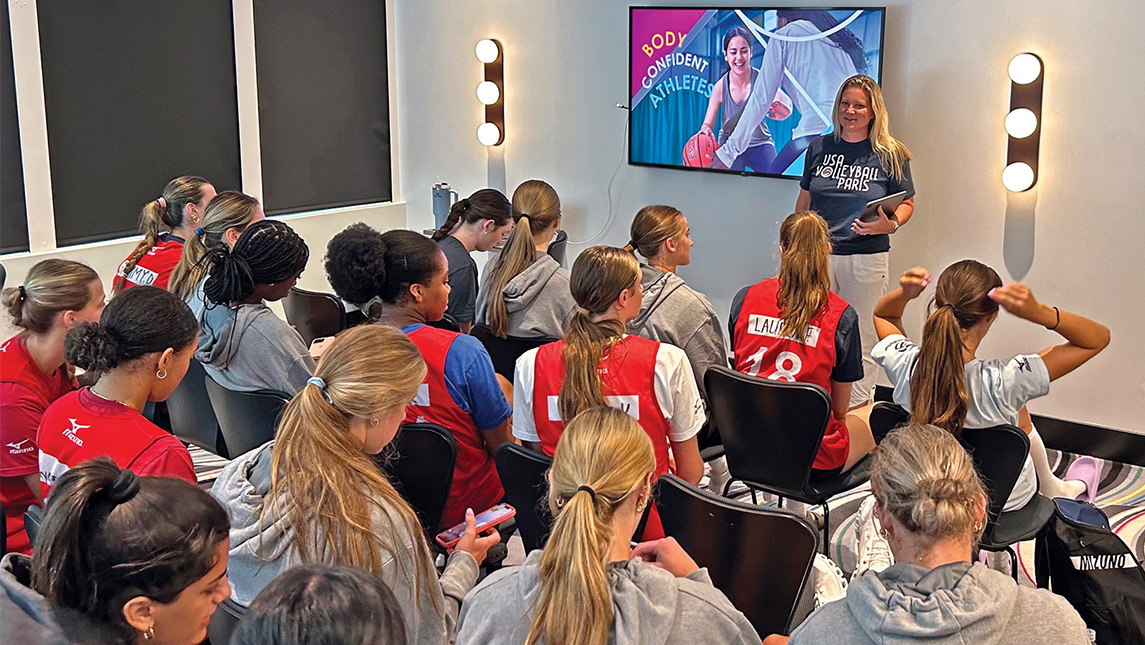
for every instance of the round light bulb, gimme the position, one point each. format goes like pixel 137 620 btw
pixel 488 92
pixel 488 134
pixel 1021 123
pixel 1025 68
pixel 1018 176
pixel 487 50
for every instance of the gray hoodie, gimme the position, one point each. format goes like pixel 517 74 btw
pixel 649 606
pixel 953 604
pixel 538 300
pixel 247 348
pixel 261 550
pixel 674 313
pixel 29 617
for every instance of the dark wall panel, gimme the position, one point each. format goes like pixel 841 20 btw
pixel 323 103
pixel 137 92
pixel 13 206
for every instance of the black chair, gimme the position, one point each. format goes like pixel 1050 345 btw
pixel 558 247
pixel 771 432
pixel 759 557
pixel 33 517
pixel 522 474
pixel 314 314
pixel 224 622
pixel 886 417
pixel 192 417
pixel 447 322
pixel 419 463
pixel 505 351
pixel 3 276
pixel 246 419
pixel 999 454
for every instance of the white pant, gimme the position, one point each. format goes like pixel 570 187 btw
pixel 861 280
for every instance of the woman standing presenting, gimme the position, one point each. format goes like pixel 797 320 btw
pixel 858 162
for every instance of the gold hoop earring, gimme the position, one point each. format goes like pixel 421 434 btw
pixel 374 422
pixel 161 374
pixel 884 534
pixel 977 526
pixel 149 634
pixel 640 505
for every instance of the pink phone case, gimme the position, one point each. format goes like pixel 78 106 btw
pixel 485 520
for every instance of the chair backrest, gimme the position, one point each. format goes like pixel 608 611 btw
pixel 771 430
pixel 419 462
pixel 192 417
pixel 32 519
pixel 522 474
pixel 999 454
pixel 886 417
pixel 558 247
pixel 224 622
pixel 505 351
pixel 447 322
pixel 314 314
pixel 246 419
pixel 759 557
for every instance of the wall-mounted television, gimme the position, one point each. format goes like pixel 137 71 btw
pixel 742 90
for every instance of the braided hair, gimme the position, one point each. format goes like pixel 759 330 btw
pixel 845 39
pixel 267 252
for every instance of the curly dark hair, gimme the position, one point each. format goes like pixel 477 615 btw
pixel 355 264
pixel 139 321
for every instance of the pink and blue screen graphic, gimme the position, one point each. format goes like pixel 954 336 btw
pixel 798 57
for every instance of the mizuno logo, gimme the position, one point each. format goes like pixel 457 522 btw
pixel 71 434
pixel 16 446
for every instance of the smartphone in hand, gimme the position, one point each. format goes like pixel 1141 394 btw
pixel 485 520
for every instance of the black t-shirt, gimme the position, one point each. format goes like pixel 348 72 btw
pixel 842 177
pixel 848 346
pixel 462 279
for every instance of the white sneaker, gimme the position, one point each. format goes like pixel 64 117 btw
pixel 872 551
pixel 829 581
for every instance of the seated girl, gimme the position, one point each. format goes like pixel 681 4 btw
pixel 315 494
pixel 671 311
pixel 224 220
pixel 944 382
pixel 56 296
pixel 525 292
pixel 353 263
pixel 166 223
pixel 141 347
pixel 794 328
pixel 476 223
pixel 120 560
pixel 243 345
pixel 597 364
pixel 588 585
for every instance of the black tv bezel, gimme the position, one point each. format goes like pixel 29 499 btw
pixel 724 171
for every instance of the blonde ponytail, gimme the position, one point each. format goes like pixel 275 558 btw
pixel 229 209
pixel 804 279
pixel 602 459
pixel 651 227
pixel 162 214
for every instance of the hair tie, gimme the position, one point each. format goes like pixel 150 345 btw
pixel 952 309
pixel 589 490
pixel 23 292
pixel 321 385
pixel 465 204
pixel 125 486
pixel 199 232
pixel 162 202
pixel 581 310
pixel 632 243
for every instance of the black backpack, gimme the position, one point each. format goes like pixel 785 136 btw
pixel 1092 568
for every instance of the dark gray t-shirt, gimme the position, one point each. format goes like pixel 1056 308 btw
pixel 848 346
pixel 462 280
pixel 842 177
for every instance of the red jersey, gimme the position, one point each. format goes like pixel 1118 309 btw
pixel 760 351
pixel 25 392
pixel 82 426
pixel 155 267
pixel 475 481
pixel 628 380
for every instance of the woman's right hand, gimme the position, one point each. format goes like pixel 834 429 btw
pixel 706 129
pixel 914 281
pixel 667 554
pixel 476 545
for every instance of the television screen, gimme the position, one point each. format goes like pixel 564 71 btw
pixel 742 89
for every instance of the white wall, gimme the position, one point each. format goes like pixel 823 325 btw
pixel 1076 240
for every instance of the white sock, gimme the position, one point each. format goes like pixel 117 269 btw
pixel 718 475
pixel 1048 483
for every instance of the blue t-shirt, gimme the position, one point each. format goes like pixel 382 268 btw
pixel 842 177
pixel 471 381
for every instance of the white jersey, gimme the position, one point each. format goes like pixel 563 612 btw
pixel 997 391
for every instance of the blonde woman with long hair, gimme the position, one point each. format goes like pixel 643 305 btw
pixel 932 508
pixel 223 221
pixel 856 163
pixel 794 328
pixel 588 585
pixel 597 364
pixel 525 293
pixel 316 495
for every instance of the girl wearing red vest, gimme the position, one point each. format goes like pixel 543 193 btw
pixel 56 295
pixel 597 364
pixel 141 345
pixel 165 222
pixel 460 392
pixel 794 328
